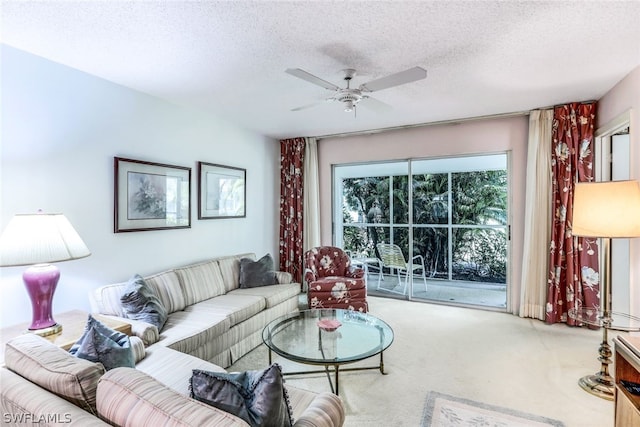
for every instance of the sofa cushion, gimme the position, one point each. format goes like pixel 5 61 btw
pixel 230 269
pixel 128 397
pixel 237 308
pixel 258 397
pixel 173 368
pixel 337 284
pixel 100 343
pixel 273 295
pixel 167 287
pixel 140 302
pixel 257 273
pixel 200 281
pixel 54 369
pixel 340 294
pixel 188 330
pixel 106 300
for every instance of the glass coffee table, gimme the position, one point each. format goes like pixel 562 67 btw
pixel 329 338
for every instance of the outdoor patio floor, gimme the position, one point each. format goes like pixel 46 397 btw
pixel 488 295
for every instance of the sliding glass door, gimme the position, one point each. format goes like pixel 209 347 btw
pixel 450 226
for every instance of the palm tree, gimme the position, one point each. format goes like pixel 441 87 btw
pixel 480 198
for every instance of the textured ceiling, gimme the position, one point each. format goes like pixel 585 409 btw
pixel 229 57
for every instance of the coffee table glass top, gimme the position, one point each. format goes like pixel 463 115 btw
pixel 298 336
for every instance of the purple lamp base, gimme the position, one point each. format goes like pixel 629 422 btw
pixel 41 281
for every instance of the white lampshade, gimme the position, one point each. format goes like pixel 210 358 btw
pixel 38 239
pixel 607 209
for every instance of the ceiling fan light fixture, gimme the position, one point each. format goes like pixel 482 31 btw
pixel 349 106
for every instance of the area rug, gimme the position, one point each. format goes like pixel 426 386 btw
pixel 442 410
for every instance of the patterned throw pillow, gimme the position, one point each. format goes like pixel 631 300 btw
pixel 141 303
pixel 257 273
pixel 258 397
pixel 99 343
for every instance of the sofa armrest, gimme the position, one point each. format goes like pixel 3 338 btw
pixel 309 275
pixel 147 332
pixel 326 410
pixel 24 403
pixel 128 397
pixel 139 352
pixel 284 277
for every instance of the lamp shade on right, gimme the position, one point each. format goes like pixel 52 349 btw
pixel 606 209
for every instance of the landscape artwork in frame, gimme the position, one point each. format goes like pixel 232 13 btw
pixel 151 196
pixel 221 192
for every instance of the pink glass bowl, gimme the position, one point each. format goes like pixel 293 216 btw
pixel 329 325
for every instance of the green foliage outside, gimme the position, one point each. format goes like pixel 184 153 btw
pixel 477 217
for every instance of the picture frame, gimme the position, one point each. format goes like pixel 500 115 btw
pixel 221 191
pixel 150 196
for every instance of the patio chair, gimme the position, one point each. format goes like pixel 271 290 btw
pixel 393 258
pixel 367 263
pixel 332 282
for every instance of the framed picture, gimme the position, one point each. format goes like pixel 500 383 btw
pixel 221 191
pixel 151 196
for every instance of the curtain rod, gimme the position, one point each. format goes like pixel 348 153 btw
pixel 442 122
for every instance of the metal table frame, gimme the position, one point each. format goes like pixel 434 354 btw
pixel 330 366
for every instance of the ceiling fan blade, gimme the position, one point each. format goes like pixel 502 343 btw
pixel 375 105
pixel 397 79
pixel 301 74
pixel 313 104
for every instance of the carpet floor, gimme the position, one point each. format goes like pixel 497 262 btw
pixel 490 357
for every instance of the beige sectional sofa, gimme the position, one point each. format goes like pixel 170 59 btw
pixel 210 317
pixel 43 385
pixel 211 323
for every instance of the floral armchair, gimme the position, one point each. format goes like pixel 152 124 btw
pixel 332 282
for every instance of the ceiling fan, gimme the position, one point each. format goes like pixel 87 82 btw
pixel 351 97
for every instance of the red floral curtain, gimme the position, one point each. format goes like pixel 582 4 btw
pixel 573 267
pixel 291 202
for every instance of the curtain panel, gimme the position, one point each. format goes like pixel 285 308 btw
pixel 537 217
pixel 291 206
pixel 573 281
pixel 311 232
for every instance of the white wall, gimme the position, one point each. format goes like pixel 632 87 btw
pixel 625 96
pixel 61 129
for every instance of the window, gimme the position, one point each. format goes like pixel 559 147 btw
pixel 454 215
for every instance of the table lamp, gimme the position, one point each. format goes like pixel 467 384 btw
pixel 37 240
pixel 606 210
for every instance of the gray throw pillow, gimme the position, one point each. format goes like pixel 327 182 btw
pixel 99 343
pixel 258 397
pixel 257 273
pixel 140 302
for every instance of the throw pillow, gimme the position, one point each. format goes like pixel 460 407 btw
pixel 257 273
pixel 99 343
pixel 258 397
pixel 141 303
